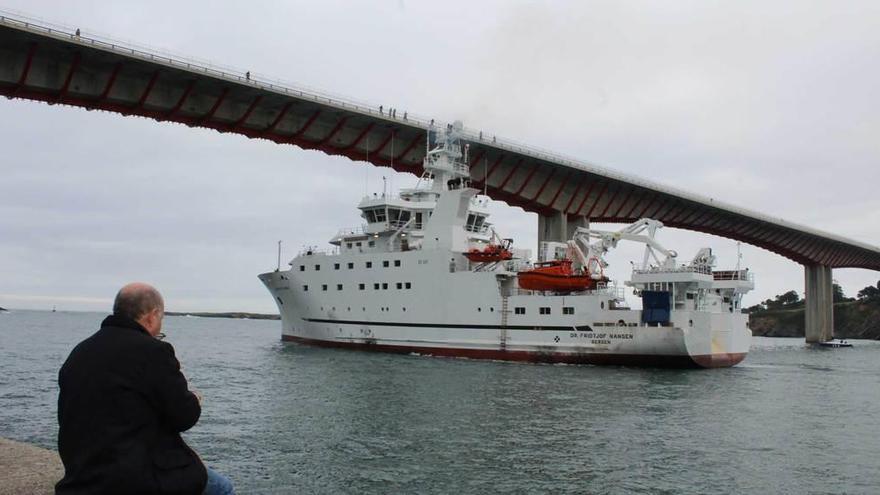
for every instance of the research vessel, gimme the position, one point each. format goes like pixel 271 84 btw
pixel 426 273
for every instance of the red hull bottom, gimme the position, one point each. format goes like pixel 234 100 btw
pixel 641 360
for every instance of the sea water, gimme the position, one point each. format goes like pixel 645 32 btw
pixel 287 418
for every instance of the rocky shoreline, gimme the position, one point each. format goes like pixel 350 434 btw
pixel 236 315
pixel 852 320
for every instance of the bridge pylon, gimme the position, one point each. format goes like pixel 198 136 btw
pixel 819 305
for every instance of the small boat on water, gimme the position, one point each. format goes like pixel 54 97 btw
pixel 835 343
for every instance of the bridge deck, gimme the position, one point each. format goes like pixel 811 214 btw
pixel 60 67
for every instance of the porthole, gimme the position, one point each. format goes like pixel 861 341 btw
pixel 602 305
pixel 690 323
pixel 491 310
pixel 479 309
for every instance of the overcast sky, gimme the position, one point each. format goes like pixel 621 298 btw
pixel 768 105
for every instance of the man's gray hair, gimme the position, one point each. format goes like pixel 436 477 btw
pixel 135 300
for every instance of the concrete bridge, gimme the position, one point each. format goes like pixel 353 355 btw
pixel 63 67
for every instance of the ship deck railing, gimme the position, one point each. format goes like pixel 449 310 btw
pixel 347 231
pixel 616 293
pixel 725 275
pixel 702 269
pixel 310 251
pixel 389 225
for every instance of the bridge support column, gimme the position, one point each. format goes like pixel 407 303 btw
pixel 551 228
pixel 819 308
pixel 576 222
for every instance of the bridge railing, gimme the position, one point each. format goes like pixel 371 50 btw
pixel 23 22
pixel 67 33
pixel 241 76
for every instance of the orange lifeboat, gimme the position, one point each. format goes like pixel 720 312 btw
pixel 556 276
pixel 492 252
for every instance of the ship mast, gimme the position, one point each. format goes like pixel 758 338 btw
pixel 444 162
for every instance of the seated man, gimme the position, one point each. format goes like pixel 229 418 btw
pixel 122 406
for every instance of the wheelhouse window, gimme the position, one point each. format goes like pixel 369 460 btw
pixel 568 310
pixel 317 268
pixel 374 215
pixel 385 263
pixel 408 285
pixel 361 286
pixel 544 310
pixel 369 264
pixel 336 266
pixel 351 266
pixel 302 268
pixel 384 286
pixel 519 311
pixel 338 286
pixel 323 286
pixel 399 285
pixel 396 262
pixel 305 288
pixel 375 286
pixel 475 222
pixel 398 217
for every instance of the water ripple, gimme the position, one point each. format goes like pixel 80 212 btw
pixel 282 418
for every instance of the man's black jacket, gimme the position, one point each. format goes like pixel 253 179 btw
pixel 122 405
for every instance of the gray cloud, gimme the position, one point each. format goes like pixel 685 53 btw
pixel 768 106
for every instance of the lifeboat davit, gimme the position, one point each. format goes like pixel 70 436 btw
pixel 556 276
pixel 490 253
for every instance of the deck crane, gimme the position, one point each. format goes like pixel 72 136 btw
pixel 590 256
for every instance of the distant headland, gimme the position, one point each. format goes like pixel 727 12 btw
pixel 241 316
pixel 854 317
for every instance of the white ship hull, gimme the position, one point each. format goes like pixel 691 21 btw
pixel 464 314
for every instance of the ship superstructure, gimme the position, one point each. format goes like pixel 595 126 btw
pixel 427 273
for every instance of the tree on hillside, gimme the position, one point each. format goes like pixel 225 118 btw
pixel 839 296
pixel 783 301
pixel 789 298
pixel 870 293
pixel 756 308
